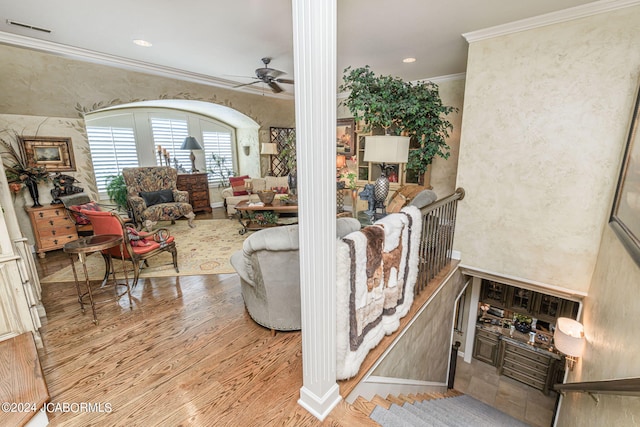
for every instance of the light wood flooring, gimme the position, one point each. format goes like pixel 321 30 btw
pixel 187 353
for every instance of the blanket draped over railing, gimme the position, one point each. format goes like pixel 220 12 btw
pixel 377 269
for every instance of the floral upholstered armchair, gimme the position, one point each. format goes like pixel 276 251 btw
pixel 153 196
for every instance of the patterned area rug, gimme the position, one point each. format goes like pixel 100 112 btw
pixel 205 249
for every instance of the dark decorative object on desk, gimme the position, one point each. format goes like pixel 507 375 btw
pixel 63 185
pixel 18 171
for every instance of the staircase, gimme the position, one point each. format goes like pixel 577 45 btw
pixel 434 409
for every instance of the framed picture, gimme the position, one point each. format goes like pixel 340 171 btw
pixel 54 153
pixel 625 214
pixel 345 137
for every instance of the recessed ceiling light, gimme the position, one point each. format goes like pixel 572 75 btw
pixel 142 43
pixel 409 60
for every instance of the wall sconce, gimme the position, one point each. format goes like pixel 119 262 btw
pixel 246 148
pixel 569 339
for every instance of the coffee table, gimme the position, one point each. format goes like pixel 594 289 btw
pixel 246 208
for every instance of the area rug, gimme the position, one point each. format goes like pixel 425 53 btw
pixel 205 249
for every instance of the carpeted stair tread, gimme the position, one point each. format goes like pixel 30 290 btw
pixel 387 418
pixel 458 414
pixel 409 416
pixel 430 418
pixel 457 411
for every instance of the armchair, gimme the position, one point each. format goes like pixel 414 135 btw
pixel 153 196
pixel 269 270
pixel 138 246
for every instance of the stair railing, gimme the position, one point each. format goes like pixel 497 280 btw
pixel 625 387
pixel 438 227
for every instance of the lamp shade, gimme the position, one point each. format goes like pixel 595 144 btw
pixel 341 161
pixel 386 149
pixel 269 148
pixel 190 143
pixel 569 337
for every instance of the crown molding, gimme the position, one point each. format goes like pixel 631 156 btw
pixel 577 12
pixel 94 57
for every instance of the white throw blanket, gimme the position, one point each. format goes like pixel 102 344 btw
pixel 377 269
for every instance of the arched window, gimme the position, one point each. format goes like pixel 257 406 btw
pixel 130 137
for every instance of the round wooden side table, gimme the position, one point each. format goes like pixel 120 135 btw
pixel 87 245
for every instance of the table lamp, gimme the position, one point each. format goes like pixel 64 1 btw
pixel 270 148
pixel 385 149
pixel 190 143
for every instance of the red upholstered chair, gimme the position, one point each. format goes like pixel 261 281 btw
pixel 138 246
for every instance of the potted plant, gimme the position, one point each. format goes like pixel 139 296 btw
pixel 402 108
pixel 117 191
pixel 19 173
pixel 288 157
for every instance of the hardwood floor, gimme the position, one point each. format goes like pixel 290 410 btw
pixel 187 353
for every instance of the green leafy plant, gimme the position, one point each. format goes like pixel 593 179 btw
pixel 117 191
pixel 288 154
pixel 403 108
pixel 351 178
pixel 264 217
pixel 217 166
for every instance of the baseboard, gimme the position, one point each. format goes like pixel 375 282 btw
pixel 384 386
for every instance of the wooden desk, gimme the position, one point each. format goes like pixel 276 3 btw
pixel 90 244
pixel 246 208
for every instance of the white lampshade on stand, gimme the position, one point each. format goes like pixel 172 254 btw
pixel 569 339
pixel 190 143
pixel 269 148
pixel 385 149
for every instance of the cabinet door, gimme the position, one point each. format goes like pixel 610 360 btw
pixel 486 349
pixel 494 293
pixel 548 307
pixel 521 300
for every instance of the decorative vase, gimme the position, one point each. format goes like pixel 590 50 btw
pixel 32 186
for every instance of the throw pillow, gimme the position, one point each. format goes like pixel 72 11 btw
pixel 156 197
pixel 80 218
pixel 280 190
pixel 135 238
pixel 237 185
pixel 276 181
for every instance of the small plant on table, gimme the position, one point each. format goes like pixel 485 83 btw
pixel 264 217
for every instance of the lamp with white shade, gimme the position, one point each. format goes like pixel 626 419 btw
pixel 385 149
pixel 270 148
pixel 190 143
pixel 569 339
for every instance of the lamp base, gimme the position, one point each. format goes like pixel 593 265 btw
pixel 193 162
pixel 380 192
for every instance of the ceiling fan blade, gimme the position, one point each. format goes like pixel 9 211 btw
pixel 274 87
pixel 287 81
pixel 246 84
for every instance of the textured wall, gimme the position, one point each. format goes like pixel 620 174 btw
pixel 613 349
pixel 545 119
pixel 422 353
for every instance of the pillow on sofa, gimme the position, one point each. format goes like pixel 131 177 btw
pixel 156 197
pixel 237 185
pixel 280 190
pixel 276 181
pixel 80 218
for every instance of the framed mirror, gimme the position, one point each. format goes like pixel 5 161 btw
pixel 625 214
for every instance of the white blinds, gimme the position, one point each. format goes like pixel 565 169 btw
pixel 111 150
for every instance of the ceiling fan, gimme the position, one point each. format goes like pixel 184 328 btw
pixel 270 76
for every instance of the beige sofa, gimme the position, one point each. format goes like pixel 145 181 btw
pixel 266 183
pixel 269 268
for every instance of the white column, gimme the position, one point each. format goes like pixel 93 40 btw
pixel 314 40
pixel 473 319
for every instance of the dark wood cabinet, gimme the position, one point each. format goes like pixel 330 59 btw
pixel 528 366
pixel 486 347
pixel 197 185
pixel 494 293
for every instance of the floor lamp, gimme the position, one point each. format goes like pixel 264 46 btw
pixel 385 149
pixel 270 148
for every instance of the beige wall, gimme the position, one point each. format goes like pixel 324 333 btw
pixel 55 91
pixel 545 119
pixel 610 320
